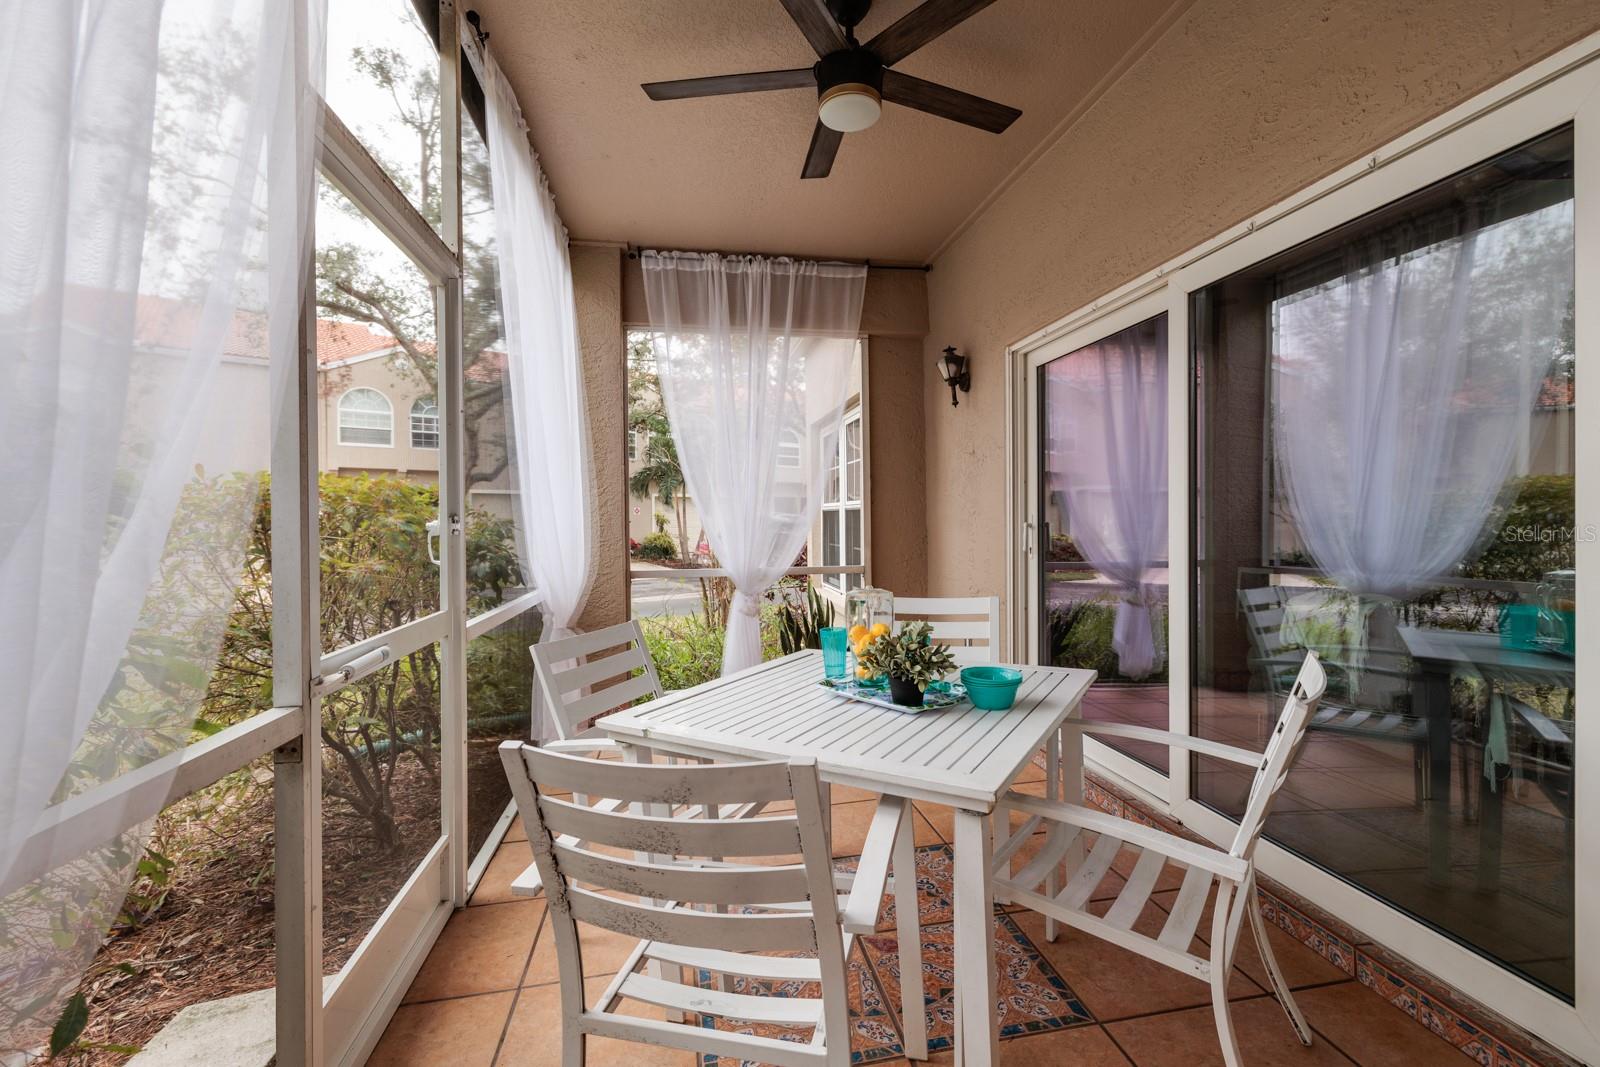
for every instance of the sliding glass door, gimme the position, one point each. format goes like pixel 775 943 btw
pixel 1384 463
pixel 1098 490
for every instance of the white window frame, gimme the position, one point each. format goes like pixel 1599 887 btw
pixel 425 422
pixel 339 414
pixel 836 577
pixel 1563 88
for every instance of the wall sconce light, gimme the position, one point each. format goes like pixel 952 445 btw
pixel 953 369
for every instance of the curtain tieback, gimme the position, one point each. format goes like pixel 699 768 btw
pixel 745 604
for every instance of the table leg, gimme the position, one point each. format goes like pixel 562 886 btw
pixel 908 931
pixel 1052 791
pixel 978 1043
pixel 1491 808
pixel 1434 690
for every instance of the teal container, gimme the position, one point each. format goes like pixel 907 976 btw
pixel 1519 626
pixel 991 688
pixel 835 640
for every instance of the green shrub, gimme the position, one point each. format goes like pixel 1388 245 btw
pixel 658 546
pixel 800 625
pixel 1080 636
pixel 687 650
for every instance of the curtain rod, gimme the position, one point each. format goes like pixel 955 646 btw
pixel 633 253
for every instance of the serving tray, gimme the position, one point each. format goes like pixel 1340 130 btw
pixel 938 695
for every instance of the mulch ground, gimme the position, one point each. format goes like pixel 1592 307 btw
pixel 212 937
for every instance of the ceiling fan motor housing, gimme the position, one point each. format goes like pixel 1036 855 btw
pixel 849 89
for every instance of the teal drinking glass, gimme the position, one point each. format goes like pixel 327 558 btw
pixel 834 640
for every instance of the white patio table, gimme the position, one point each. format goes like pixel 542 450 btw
pixel 957 756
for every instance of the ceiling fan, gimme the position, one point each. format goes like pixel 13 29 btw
pixel 853 79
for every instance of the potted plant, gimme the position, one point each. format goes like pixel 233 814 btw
pixel 909 659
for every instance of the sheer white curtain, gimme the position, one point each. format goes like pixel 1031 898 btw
pixel 752 353
pixel 1106 436
pixel 1403 392
pixel 545 373
pixel 155 190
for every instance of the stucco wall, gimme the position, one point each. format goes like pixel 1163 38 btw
pixel 1239 104
pixel 597 289
pixel 894 316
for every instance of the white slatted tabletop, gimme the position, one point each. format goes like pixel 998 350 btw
pixel 958 755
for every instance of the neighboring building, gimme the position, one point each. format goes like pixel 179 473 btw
pixel 377 414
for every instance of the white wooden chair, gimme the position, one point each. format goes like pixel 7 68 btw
pixel 1233 872
pixel 696 915
pixel 567 671
pixel 1263 609
pixel 970 625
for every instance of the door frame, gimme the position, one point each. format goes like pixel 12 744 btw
pixel 1028 625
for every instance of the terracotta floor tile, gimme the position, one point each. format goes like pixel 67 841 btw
pixel 1189 1039
pixel 940 818
pixel 480 950
pixel 851 822
pixel 463 1031
pixel 534 1037
pixel 1082 1046
pixel 1301 966
pixel 603 952
pixel 1355 1019
pixel 510 860
pixel 943 820
pixel 1114 983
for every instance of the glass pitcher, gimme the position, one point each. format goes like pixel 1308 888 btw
pixel 1558 611
pixel 868 613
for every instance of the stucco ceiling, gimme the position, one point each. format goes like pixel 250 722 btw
pixel 724 172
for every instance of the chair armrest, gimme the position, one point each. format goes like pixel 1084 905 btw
pixel 872 870
pixel 582 745
pixel 1171 740
pixel 1182 850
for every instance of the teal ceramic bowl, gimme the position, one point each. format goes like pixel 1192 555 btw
pixel 991 688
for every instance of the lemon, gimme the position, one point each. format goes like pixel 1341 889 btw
pixel 879 629
pixel 857 632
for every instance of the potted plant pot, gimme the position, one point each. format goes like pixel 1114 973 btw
pixel 904 692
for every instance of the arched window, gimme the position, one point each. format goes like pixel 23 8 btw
pixel 425 423
pixel 789 448
pixel 365 418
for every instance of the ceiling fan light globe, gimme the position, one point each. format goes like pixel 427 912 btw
pixel 849 108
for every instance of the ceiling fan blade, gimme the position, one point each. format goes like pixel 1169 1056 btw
pixel 947 103
pixel 816 22
pixel 819 157
pixel 920 25
pixel 723 84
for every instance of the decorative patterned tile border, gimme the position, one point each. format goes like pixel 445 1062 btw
pixel 1474 1030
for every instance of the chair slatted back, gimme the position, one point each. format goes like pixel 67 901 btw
pixel 635 871
pixel 1263 618
pixel 615 657
pixel 1281 749
pixel 969 625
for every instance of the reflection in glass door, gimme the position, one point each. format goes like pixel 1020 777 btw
pixel 1385 473
pixel 1102 508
